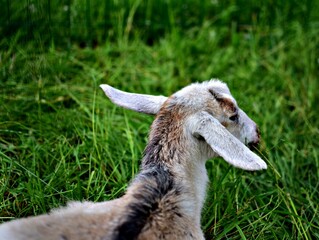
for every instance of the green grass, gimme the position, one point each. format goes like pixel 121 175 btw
pixel 61 139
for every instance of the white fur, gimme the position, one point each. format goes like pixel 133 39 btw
pixel 224 144
pixel 138 102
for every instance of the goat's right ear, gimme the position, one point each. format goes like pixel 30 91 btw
pixel 225 144
pixel 137 102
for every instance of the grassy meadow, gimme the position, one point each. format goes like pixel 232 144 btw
pixel 61 139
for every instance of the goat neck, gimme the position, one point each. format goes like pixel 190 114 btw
pixel 170 145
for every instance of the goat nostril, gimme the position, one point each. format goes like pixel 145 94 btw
pixel 258 132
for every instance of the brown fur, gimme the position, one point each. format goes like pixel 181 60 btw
pixel 136 215
pixel 166 133
pixel 228 105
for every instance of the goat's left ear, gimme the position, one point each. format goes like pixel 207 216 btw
pixel 137 102
pixel 225 144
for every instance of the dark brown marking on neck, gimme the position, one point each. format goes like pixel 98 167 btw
pixel 164 141
pixel 153 198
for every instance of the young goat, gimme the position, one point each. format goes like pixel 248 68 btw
pixel 165 199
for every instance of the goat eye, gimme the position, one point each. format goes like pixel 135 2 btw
pixel 234 118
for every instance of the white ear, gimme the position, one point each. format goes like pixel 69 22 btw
pixel 138 102
pixel 226 145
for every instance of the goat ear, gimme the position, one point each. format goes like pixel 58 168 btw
pixel 137 102
pixel 226 145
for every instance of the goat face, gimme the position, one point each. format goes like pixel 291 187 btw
pixel 215 98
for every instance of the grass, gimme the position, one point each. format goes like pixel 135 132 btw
pixel 62 140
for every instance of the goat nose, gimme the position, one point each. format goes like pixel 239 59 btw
pixel 258 133
pixel 254 143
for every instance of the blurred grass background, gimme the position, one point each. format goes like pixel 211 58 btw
pixel 62 140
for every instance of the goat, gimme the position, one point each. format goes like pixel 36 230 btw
pixel 165 199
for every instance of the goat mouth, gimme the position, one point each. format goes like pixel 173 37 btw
pixel 253 145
